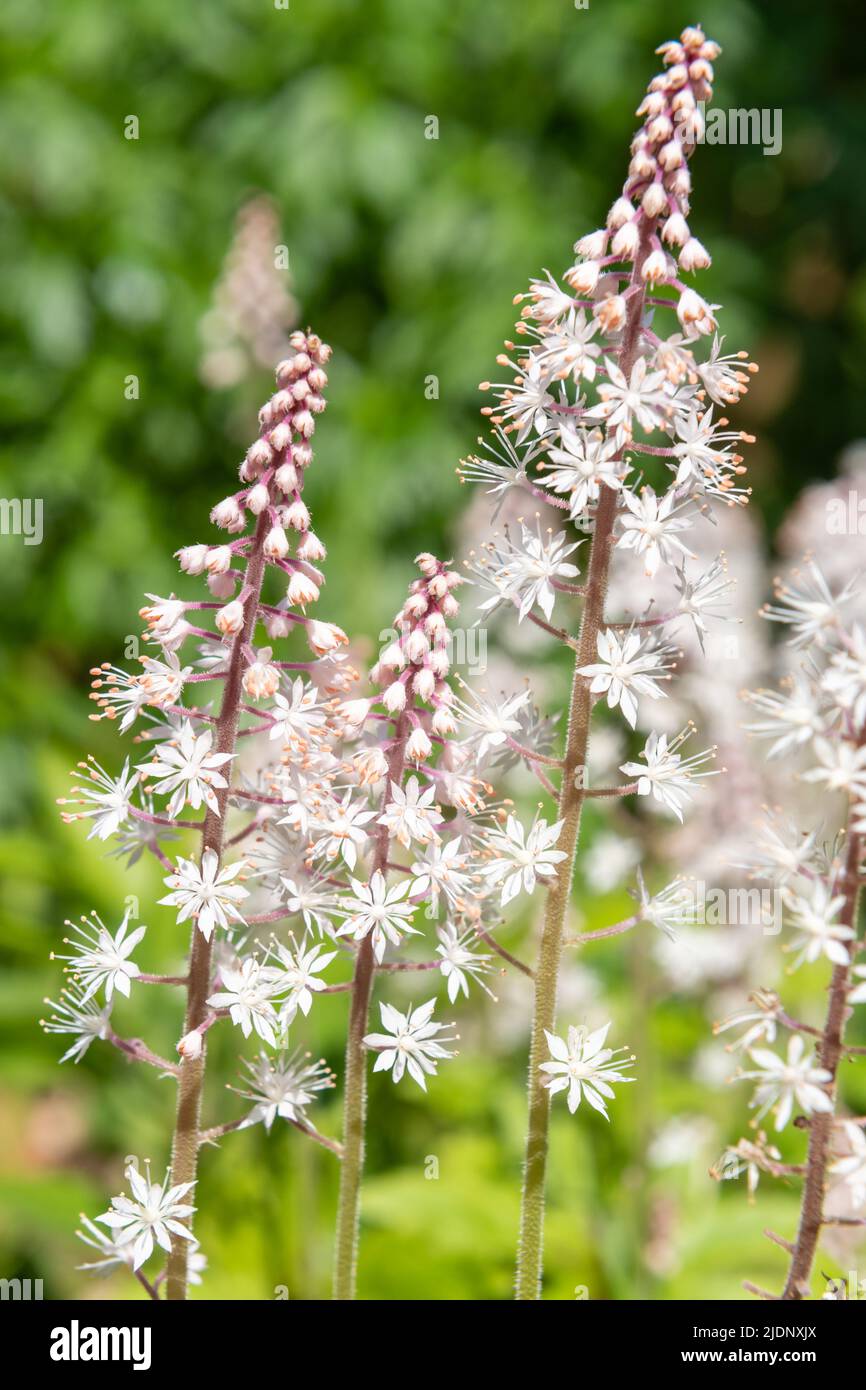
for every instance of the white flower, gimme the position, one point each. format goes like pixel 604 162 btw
pixel 311 899
pixel 761 1021
pixel 408 1044
pixel 378 909
pixel 784 1080
pixel 529 403
pixel 490 722
pixel 667 776
pixel 207 892
pixel 814 918
pixel 567 350
pixel 442 870
pixel 671 908
pixel 842 767
pixel 82 1018
pixel 626 666
pixel 458 961
pixel 704 597
pixel 812 610
pixel 103 959
pixel 282 1087
pixel 340 832
pixel 411 814
pixel 585 461
pixel 247 993
pixel 651 529
pixel 792 717
pixel 782 851
pixel 188 769
pixel 298 719
pixel 112 1252
pixel 520 860
pixel 163 681
pixel 845 679
pixel 851 1168
pixel 525 572
pixel 584 1067
pixel 108 797
pixel 642 399
pixel 296 972
pixel 154 1213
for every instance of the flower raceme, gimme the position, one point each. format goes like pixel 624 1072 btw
pixel 817 716
pixel 614 419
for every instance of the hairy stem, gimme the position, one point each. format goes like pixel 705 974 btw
pixel 571 799
pixel 185 1146
pixel 830 1050
pixel 355 1071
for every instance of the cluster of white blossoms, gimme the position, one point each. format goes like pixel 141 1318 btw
pixel 620 383
pixel 817 717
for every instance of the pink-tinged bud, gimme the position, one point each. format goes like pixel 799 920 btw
pixel 190 1045
pixel 654 267
pixel 671 154
pixel 218 559
pixel 418 746
pixel 621 212
pixel 277 625
pixel 261 679
pixel 642 166
pixel 417 646
pixel 611 313
pixel 222 585
pixel 659 129
pixel 370 766
pixel 301 589
pixel 192 558
pixel 281 437
pixel 259 455
pixel 303 423
pixel 439 663
pixel 652 104
pixel 394 698
pixel 694 256
pixel 297 516
pixel 675 232
pixel 626 240
pixel 427 563
pixel 695 312
pixel 276 546
pixel 227 514
pixel 677 77
pixel 450 606
pixel 281 403
pixel 655 200
pixel 257 499
pixel 583 277
pixel 302 454
pixel 286 478
pixel 680 184
pixel 592 246
pixel 435 627
pixel 300 390
pixel 393 657
pixel 311 548
pixel 163 614
pixel 424 683
pixel 415 606
pixel 230 620
pixel 355 711
pixel 443 723
pixel 325 637
pixel 318 379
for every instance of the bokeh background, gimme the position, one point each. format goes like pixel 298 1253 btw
pixel 404 252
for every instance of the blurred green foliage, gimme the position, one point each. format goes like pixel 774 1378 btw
pixel 405 253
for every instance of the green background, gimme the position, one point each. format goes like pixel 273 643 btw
pixel 405 253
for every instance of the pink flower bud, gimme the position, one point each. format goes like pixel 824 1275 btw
pixel 694 256
pixel 230 620
pixel 355 711
pixel 611 313
pixel 222 585
pixel 192 558
pixel 301 589
pixel 592 246
pixel 276 545
pixel 258 498
pixel 394 698
pixel 218 559
pixel 297 516
pixel 621 212
pixel 261 679
pixel 190 1046
pixel 311 548
pixel 417 646
pixel 418 746
pixel 424 683
pixel 583 277
pixel 325 637
pixel 286 478
pixel 675 231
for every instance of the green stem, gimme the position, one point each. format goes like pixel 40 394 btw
pixel 571 798
pixel 355 1069
pixel 185 1146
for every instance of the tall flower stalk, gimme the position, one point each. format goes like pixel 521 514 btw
pixel 194 764
pixel 600 399
pixel 819 711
